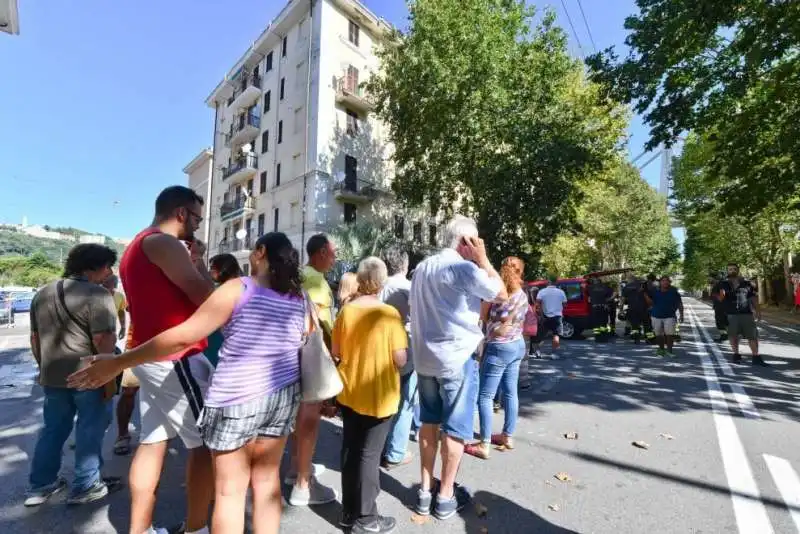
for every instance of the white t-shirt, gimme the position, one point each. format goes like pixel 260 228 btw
pixel 553 300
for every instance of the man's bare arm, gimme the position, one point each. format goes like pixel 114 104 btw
pixel 172 258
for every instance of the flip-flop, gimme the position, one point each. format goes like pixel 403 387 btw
pixel 122 447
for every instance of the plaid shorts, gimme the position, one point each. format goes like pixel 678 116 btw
pixel 231 427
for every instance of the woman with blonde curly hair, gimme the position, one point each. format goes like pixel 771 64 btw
pixel 502 355
pixel 348 289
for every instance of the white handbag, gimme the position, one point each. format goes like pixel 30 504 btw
pixel 319 378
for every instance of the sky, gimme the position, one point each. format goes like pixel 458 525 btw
pixel 103 103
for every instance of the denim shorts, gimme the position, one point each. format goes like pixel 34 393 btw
pixel 450 402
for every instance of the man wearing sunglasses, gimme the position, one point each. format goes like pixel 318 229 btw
pixel 165 279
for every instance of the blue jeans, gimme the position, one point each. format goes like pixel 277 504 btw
pixel 60 407
pixel 450 402
pixel 397 441
pixel 500 366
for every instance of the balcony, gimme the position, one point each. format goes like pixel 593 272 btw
pixel 244 129
pixel 350 94
pixel 360 191
pixel 240 169
pixel 239 207
pixel 247 90
pixel 231 246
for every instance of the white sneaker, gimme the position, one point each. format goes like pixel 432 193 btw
pixel 315 493
pixel 316 470
pixel 39 496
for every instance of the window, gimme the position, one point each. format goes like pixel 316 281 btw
pixel 283 47
pixel 265 142
pixel 261 222
pixel 353 33
pixel 350 173
pixel 299 76
pixel 293 209
pixel 417 232
pixel 349 213
pixel 399 226
pixel 267 101
pixel 283 87
pixel 278 175
pixel 275 216
pixel 263 179
pixel 432 235
pixel 250 186
pixel 230 100
pixel 280 132
pixel 269 62
pixel 573 290
pixel 352 122
pixel 246 269
pixel 351 80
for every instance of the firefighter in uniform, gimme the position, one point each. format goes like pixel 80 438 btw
pixel 599 295
pixel 635 307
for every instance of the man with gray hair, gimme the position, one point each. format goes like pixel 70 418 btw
pixel 446 294
pixel 395 293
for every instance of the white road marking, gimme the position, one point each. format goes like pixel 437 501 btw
pixel 744 401
pixel 751 515
pixel 718 356
pixel 788 485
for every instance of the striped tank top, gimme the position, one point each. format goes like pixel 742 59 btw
pixel 260 353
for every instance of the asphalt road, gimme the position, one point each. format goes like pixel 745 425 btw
pixel 723 451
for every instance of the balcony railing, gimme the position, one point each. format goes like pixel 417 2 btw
pixel 356 190
pixel 237 206
pixel 350 92
pixel 249 161
pixel 229 246
pixel 244 121
pixel 246 82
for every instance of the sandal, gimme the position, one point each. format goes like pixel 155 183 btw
pixel 122 447
pixel 478 450
pixel 501 440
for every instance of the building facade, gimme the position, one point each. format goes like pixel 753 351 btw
pixel 297 148
pixel 199 177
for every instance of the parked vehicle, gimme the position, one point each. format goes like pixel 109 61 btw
pixel 578 310
pixel 21 302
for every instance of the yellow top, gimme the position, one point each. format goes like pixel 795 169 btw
pixel 119 301
pixel 320 294
pixel 366 336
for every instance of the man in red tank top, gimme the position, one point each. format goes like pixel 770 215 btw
pixel 166 280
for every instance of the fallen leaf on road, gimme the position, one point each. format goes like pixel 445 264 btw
pixel 554 507
pixel 420 519
pixel 571 375
pixel 666 436
pixel 481 510
pixel 563 477
pixel 547 482
pixel 571 435
pixel 484 530
pixel 641 444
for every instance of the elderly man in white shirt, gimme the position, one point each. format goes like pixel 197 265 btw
pixel 395 292
pixel 446 294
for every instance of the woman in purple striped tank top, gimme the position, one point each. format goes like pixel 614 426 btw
pixel 252 402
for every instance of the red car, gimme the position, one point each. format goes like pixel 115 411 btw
pixel 578 310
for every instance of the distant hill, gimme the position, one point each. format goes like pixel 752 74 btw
pixel 15 243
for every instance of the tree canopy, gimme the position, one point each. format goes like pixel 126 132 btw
pixel 32 271
pixel 490 116
pixel 622 223
pixel 727 69
pixel 759 243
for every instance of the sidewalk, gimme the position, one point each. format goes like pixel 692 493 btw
pixel 780 316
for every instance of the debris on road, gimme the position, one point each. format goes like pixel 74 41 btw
pixel 548 483
pixel 563 477
pixel 481 510
pixel 554 507
pixel 641 445
pixel 571 435
pixel 420 519
pixel 666 436
pixel 484 530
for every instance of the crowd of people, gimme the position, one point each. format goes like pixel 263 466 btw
pixel 216 360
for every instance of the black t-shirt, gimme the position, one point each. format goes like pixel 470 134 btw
pixel 738 301
pixel 634 295
pixel 600 294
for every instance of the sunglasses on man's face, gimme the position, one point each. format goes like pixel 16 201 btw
pixel 195 215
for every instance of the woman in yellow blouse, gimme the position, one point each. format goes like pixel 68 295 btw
pixel 370 342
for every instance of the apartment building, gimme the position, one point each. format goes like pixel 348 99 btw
pixel 199 177
pixel 297 148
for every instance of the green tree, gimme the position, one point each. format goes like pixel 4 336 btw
pixel 623 222
pixel 32 271
pixel 727 69
pixel 760 242
pixel 490 116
